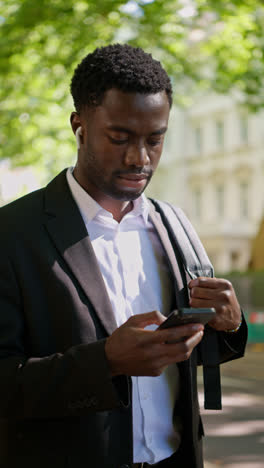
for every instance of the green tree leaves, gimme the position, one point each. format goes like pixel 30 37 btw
pixel 200 42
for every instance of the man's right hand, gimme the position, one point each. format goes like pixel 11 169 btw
pixel 132 350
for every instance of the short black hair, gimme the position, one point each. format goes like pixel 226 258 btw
pixel 119 66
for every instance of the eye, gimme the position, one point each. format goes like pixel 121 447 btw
pixel 155 142
pixel 118 141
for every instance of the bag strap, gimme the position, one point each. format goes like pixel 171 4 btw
pixel 188 247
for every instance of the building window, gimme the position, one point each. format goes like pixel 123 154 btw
pixel 220 136
pixel 244 200
pixel 235 259
pixel 198 140
pixel 197 203
pixel 243 127
pixel 220 201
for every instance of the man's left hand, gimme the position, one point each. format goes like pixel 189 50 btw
pixel 217 293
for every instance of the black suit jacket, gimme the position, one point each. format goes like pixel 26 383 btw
pixel 59 406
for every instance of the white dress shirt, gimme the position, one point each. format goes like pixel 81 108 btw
pixel 136 275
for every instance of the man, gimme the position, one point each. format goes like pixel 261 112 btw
pixel 83 272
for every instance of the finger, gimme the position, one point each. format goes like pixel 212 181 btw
pixel 183 349
pixel 176 333
pixel 197 281
pixel 211 283
pixel 192 341
pixel 201 303
pixel 143 320
pixel 203 293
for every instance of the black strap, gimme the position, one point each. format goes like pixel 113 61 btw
pixel 188 247
pixel 211 370
pixel 193 254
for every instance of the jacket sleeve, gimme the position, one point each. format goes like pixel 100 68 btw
pixel 232 345
pixel 76 382
pixel 229 346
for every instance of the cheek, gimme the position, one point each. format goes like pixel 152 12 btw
pixel 100 155
pixel 112 157
pixel 155 157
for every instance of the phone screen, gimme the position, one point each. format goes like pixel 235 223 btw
pixel 188 315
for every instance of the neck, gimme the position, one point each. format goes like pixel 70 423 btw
pixel 118 209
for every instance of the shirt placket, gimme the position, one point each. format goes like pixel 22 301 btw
pixel 123 272
pixel 144 392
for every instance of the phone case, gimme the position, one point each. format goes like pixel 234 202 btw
pixel 188 315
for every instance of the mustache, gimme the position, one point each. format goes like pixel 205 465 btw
pixel 135 171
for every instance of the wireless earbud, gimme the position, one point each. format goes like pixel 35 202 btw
pixel 77 136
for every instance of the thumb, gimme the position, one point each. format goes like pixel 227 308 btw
pixel 142 320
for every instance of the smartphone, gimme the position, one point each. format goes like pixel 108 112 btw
pixel 188 315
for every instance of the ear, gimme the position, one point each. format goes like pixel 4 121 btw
pixel 75 121
pixel 78 136
pixel 77 128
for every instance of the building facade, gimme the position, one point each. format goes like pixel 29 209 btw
pixel 213 168
pixel 16 182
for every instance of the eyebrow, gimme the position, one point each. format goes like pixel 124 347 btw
pixel 117 128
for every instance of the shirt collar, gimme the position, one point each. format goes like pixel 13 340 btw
pixel 89 208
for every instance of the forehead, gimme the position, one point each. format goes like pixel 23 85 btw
pixel 132 109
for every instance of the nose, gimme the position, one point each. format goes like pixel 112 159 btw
pixel 136 155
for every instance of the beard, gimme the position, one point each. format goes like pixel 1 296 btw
pixel 128 194
pixel 106 182
pixel 107 185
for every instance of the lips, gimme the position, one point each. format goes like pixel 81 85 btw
pixel 135 177
pixel 132 181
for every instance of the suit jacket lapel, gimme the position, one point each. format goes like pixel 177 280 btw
pixel 68 232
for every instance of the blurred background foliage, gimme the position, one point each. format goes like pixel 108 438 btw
pixel 208 44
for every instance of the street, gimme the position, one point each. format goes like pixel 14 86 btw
pixel 234 437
